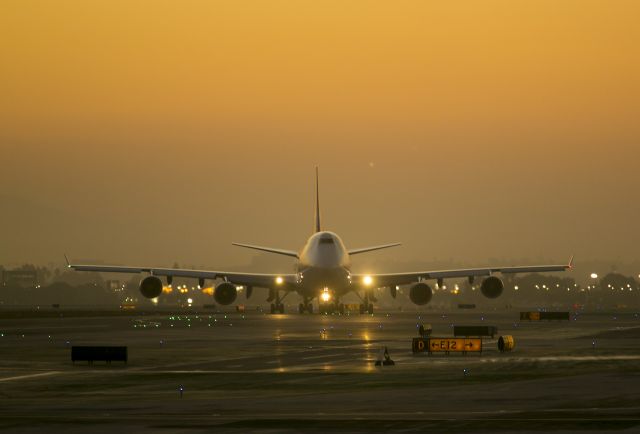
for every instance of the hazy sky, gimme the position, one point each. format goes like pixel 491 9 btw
pixel 149 132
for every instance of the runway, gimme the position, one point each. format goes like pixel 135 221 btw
pixel 286 373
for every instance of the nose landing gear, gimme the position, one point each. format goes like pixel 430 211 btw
pixel 366 306
pixel 336 307
pixel 305 306
pixel 278 306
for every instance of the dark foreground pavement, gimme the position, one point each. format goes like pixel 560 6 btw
pixel 291 373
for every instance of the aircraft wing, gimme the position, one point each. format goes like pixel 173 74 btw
pixel 239 278
pixel 390 279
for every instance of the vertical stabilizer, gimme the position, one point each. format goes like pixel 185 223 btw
pixel 317 222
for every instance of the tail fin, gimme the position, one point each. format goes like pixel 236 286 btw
pixel 317 222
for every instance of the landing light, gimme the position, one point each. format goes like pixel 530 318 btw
pixel 279 280
pixel 367 280
pixel 325 296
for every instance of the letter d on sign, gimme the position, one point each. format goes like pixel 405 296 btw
pixel 418 345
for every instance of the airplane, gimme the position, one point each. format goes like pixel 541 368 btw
pixel 322 272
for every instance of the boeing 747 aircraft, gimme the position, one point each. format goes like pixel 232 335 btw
pixel 323 272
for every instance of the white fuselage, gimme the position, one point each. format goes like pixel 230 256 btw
pixel 323 265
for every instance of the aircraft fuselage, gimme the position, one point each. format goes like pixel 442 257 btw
pixel 323 264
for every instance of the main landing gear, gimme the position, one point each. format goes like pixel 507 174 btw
pixel 277 308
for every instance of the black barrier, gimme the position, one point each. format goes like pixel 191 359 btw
pixel 94 353
pixel 560 316
pixel 475 331
pixel 466 306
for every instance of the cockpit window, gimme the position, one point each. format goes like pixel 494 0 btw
pixel 326 240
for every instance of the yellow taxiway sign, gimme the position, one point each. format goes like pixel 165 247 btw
pixel 447 345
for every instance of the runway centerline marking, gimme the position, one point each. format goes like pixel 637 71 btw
pixel 24 377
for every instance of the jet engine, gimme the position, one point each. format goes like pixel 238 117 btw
pixel 151 287
pixel 492 287
pixel 420 293
pixel 225 293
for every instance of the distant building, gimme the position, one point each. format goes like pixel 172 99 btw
pixel 115 286
pixel 21 278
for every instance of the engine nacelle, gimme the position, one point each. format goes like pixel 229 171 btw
pixel 225 293
pixel 420 293
pixel 492 287
pixel 151 287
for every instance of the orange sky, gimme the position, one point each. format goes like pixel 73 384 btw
pixel 160 131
